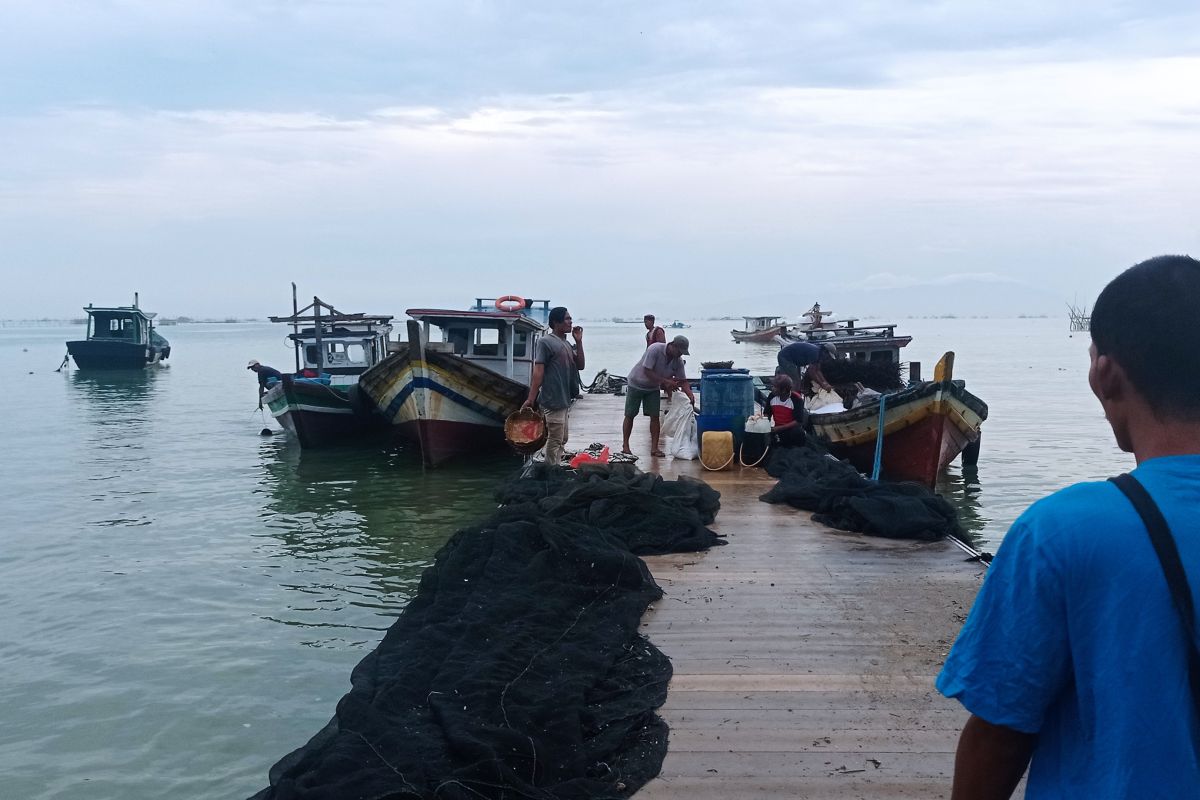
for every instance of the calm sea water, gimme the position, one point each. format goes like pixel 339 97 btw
pixel 184 599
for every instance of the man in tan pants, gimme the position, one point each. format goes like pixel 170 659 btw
pixel 550 387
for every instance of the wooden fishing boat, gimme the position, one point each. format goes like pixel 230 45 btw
pixel 452 396
pixel 119 337
pixel 321 404
pixel 866 343
pixel 760 329
pixel 925 427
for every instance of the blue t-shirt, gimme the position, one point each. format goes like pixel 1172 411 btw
pixel 801 353
pixel 1074 637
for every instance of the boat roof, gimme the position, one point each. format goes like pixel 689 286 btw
pixel 339 318
pixel 131 310
pixel 755 318
pixel 443 317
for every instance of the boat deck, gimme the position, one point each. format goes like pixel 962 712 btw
pixel 804 657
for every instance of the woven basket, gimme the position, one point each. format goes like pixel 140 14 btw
pixel 525 431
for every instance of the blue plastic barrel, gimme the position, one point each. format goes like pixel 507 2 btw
pixel 728 394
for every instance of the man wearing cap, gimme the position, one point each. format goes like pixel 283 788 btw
pixel 809 357
pixel 660 367
pixel 265 373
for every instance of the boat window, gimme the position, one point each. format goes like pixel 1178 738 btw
pixel 310 355
pixel 487 342
pixel 460 338
pixel 520 344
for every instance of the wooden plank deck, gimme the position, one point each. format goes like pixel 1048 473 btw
pixel 804 657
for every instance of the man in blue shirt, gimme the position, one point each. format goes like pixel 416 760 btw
pixel 1073 660
pixel 805 358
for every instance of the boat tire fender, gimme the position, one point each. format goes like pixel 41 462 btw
pixel 510 302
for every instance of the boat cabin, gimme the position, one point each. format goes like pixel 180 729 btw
pixel 867 343
pixel 337 343
pixel 754 324
pixel 500 341
pixel 120 324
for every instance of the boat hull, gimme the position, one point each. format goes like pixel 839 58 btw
pixel 319 415
pixel 444 403
pixel 925 428
pixel 96 354
pixel 765 335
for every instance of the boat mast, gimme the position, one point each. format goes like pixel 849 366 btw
pixel 295 327
pixel 317 333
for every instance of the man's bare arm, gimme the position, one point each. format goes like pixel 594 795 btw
pixel 535 383
pixel 990 760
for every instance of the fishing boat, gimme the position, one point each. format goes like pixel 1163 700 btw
pixel 321 404
pixel 924 427
pixel 450 389
pixel 120 337
pixel 760 329
pixel 676 325
pixel 866 343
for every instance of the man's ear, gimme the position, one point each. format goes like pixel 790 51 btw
pixel 1108 379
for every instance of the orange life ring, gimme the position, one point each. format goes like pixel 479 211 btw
pixel 510 302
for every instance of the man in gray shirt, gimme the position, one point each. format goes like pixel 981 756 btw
pixel 660 367
pixel 555 364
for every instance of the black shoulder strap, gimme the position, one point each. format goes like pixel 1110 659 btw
pixel 1168 557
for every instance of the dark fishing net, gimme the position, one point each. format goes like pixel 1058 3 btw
pixel 517 671
pixel 812 480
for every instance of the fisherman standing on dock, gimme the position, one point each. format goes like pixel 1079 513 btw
pixel 659 368
pixel 555 367
pixel 1080 652
pixel 265 374
pixel 806 356
pixel 654 333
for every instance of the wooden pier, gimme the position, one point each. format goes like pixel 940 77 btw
pixel 804 657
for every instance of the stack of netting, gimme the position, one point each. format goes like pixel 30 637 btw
pixel 604 383
pixel 517 670
pixel 812 480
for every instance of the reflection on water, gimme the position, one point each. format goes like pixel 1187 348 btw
pixel 357 526
pixel 960 485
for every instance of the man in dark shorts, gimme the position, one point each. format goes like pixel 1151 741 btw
pixel 555 369
pixel 264 373
pixel 798 358
pixel 660 367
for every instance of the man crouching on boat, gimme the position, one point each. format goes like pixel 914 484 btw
pixel 555 363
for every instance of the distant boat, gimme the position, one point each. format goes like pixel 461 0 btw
pixel 678 324
pixel 322 404
pixel 120 337
pixel 925 427
pixel 760 329
pixel 452 396
pixel 620 321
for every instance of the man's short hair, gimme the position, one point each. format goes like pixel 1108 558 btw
pixel 557 315
pixel 1145 321
pixel 648 316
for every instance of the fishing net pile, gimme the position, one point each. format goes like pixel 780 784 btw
pixel 604 383
pixel 517 670
pixel 812 480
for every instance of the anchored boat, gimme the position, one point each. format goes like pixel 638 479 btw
pixel 760 329
pixel 121 337
pixel 866 343
pixel 322 404
pixel 924 428
pixel 452 395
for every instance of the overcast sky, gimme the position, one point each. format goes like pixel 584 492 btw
pixel 394 154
